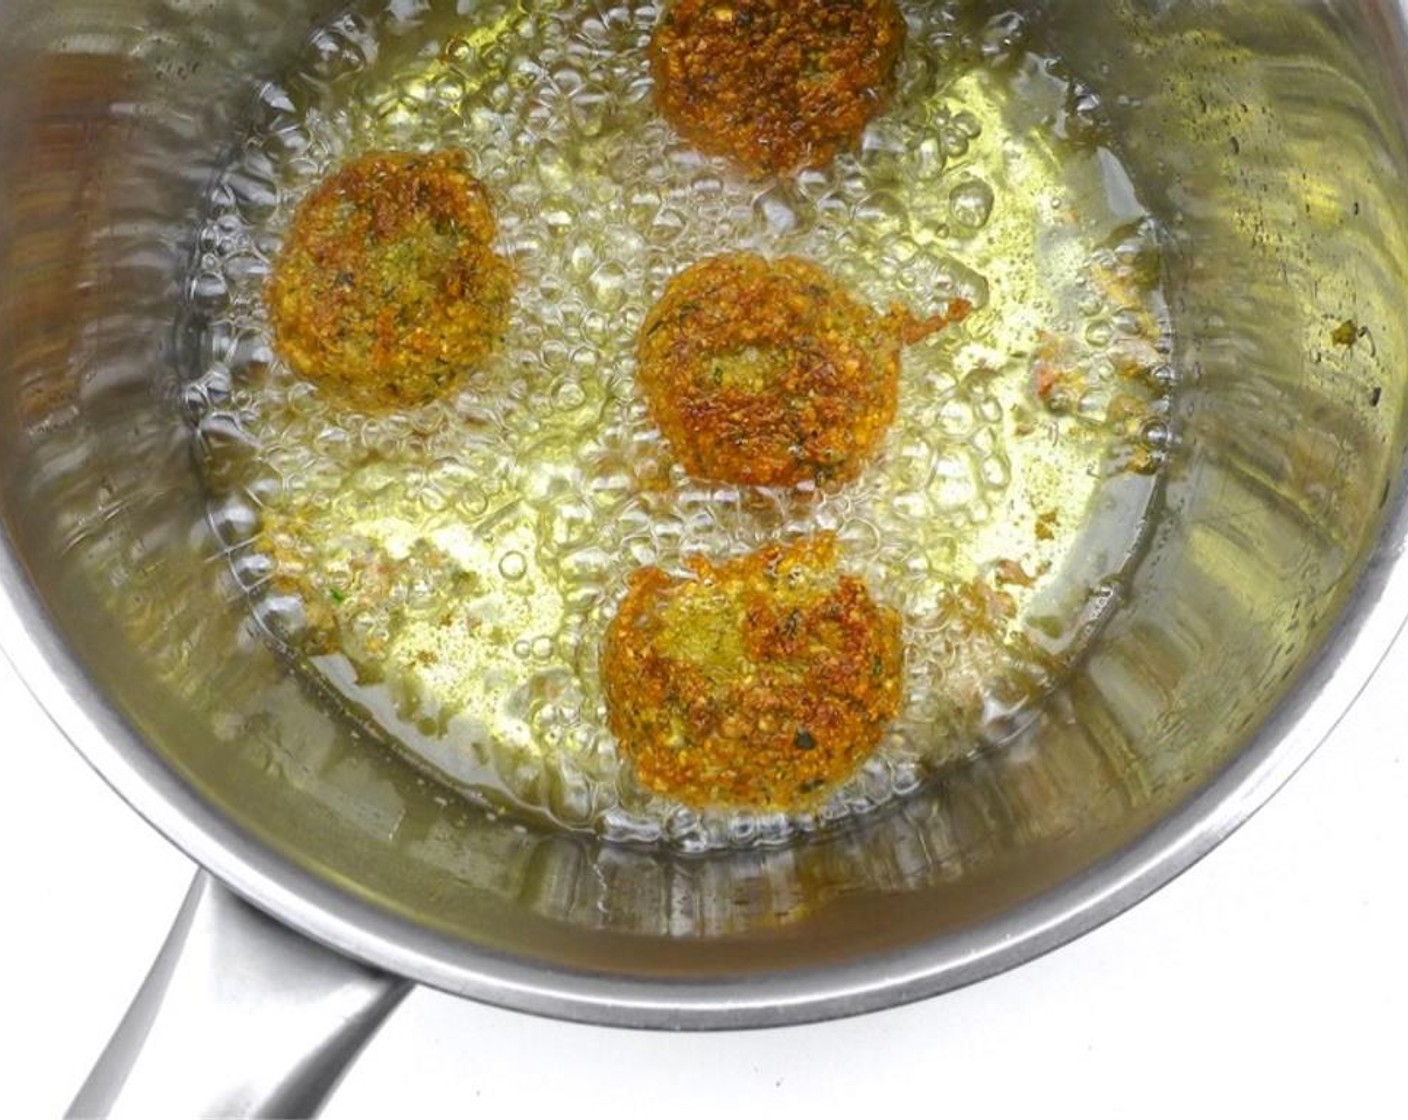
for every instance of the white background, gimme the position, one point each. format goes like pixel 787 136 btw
pixel 1269 981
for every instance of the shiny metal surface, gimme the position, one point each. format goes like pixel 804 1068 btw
pixel 239 1016
pixel 1271 142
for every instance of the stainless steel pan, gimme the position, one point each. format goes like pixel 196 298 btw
pixel 1271 140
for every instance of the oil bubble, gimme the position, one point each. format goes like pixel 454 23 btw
pixel 970 204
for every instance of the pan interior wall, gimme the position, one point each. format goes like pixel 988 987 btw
pixel 1270 152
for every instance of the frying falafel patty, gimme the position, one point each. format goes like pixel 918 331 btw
pixel 768 373
pixel 777 85
pixel 387 289
pixel 761 682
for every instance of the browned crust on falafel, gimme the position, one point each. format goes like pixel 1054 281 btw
pixel 767 372
pixel 777 85
pixel 761 682
pixel 387 288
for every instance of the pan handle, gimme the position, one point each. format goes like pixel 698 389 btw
pixel 239 1016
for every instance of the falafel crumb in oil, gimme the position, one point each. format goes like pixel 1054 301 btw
pixel 450 569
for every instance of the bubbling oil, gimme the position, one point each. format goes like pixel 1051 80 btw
pixel 449 571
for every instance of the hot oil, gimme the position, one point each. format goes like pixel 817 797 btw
pixel 449 572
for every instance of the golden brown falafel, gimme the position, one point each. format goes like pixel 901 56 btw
pixel 777 85
pixel 768 373
pixel 760 683
pixel 387 288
